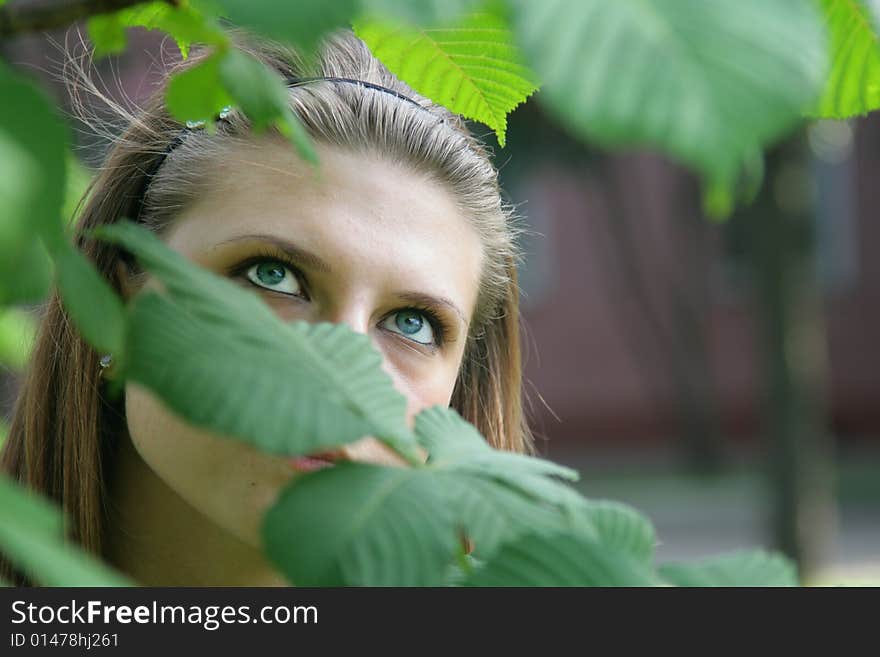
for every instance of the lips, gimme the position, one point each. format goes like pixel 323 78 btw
pixel 316 461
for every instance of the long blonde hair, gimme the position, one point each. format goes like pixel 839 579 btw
pixel 64 429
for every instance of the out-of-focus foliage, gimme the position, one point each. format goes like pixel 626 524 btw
pixel 17 328
pixel 853 87
pixel 89 300
pixel 740 569
pixel 31 534
pixel 425 13
pixel 301 23
pixel 197 94
pixel 181 20
pixel 561 559
pixel 262 96
pixel 32 182
pixel 708 82
pixel 78 179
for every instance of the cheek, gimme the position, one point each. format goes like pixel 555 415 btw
pixel 423 383
pixel 226 480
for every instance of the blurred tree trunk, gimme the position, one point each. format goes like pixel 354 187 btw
pixel 788 296
pixel 671 331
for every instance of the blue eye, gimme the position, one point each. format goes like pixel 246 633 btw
pixel 412 324
pixel 273 275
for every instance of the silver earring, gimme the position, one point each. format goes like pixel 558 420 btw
pixel 105 362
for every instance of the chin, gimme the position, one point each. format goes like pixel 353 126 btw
pixel 227 481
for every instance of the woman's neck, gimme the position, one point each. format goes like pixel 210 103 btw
pixel 157 539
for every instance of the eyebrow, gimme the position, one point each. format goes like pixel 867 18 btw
pixel 431 300
pixel 297 253
pixel 313 261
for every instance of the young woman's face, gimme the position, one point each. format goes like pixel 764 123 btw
pixel 364 241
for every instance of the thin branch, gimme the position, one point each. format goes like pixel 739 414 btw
pixel 37 15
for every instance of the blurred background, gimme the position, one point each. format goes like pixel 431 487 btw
pixel 722 377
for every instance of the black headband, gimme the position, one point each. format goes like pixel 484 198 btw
pixel 222 116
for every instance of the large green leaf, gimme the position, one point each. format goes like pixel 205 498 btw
pixel 262 95
pixel 17 331
pixel 220 357
pixel 89 300
pixel 361 525
pixel 569 559
pixel 496 495
pixel 707 81
pixel 31 535
pixel 358 524
pixel 78 179
pixel 179 19
pixel 472 68
pixel 30 274
pixel 853 86
pixel 28 120
pixel 32 182
pixel 424 13
pixel 757 568
pixel 229 77
pixel 624 530
pixel 490 513
pixel 24 267
pixel 107 33
pixel 302 23
pixel 197 93
pixel 454 444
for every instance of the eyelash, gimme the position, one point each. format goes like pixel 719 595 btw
pixel 439 324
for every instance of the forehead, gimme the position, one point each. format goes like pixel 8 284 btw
pixel 370 217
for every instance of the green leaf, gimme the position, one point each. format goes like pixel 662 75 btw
pixel 31 535
pixel 361 525
pixel 181 20
pixel 107 33
pixel 453 443
pixel 31 137
pixel 17 331
pixel 302 23
pixel 262 95
pixel 496 495
pixel 853 86
pixel 624 530
pixel 197 93
pixel 358 524
pixel 489 512
pixel 569 559
pixel 756 568
pixel 78 179
pixel 424 13
pixel 27 275
pixel 450 439
pixel 473 68
pixel 220 357
pixel 257 90
pixel 709 83
pixel 90 301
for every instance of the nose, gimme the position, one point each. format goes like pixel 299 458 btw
pixel 354 314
